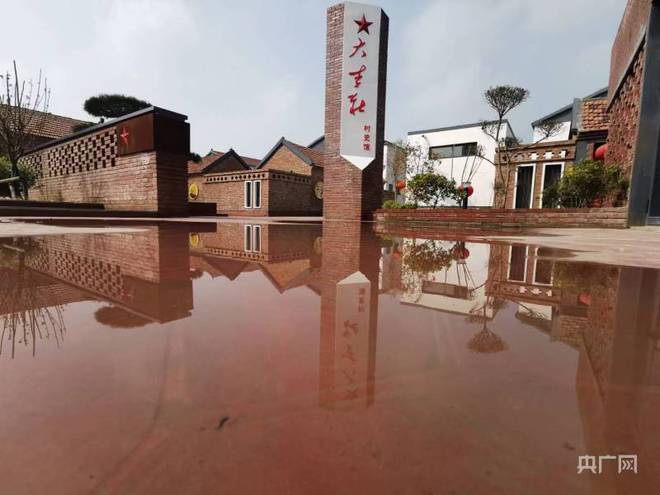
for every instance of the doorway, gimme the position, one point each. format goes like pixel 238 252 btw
pixel 552 172
pixel 524 186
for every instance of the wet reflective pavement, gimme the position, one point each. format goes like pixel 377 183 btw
pixel 270 358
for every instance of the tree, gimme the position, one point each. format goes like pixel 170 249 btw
pixel 23 113
pixel 26 310
pixel 503 99
pixel 113 106
pixel 430 188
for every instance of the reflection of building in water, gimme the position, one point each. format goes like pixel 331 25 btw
pixel 619 372
pixel 288 255
pixel 611 316
pixel 349 314
pixel 144 275
pixel 524 275
pixel 448 276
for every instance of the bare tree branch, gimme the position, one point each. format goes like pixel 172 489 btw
pixel 23 114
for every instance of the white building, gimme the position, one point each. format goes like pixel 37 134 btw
pixel 459 150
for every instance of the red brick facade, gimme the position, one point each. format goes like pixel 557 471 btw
pixel 287 179
pixel 350 194
pixel 624 117
pixel 594 115
pixel 90 169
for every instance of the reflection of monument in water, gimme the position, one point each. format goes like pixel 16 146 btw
pixel 349 314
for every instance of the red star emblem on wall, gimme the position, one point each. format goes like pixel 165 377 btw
pixel 124 136
pixel 363 24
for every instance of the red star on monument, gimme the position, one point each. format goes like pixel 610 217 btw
pixel 124 136
pixel 363 24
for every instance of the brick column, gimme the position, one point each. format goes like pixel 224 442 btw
pixel 350 194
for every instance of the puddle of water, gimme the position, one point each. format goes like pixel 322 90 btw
pixel 248 358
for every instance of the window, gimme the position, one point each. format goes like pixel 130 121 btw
pixel 248 194
pixel 518 263
pixel 252 238
pixel 256 191
pixel 247 238
pixel 256 238
pixel 452 151
pixel 252 194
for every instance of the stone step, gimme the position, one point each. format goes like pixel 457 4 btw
pixel 13 211
pixel 28 203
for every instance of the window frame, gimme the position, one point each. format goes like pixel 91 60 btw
pixel 254 194
pixel 247 196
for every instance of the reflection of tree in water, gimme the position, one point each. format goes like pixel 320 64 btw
pixel 420 260
pixel 486 341
pixel 25 311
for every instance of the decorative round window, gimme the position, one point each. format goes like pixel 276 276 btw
pixel 193 191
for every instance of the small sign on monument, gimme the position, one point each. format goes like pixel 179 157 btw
pixel 359 88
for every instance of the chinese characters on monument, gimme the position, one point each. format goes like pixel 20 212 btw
pixel 352 337
pixel 360 83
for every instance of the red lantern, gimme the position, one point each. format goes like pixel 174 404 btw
pixel 469 189
pixel 400 184
pixel 599 154
pixel 460 252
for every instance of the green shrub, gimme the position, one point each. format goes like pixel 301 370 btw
pixel 27 174
pixel 430 188
pixel 390 204
pixel 588 183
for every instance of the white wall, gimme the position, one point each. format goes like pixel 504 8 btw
pixel 483 180
pixel 562 134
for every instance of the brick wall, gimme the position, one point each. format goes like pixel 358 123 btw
pixel 594 115
pixel 282 193
pixel 89 169
pixel 628 39
pixel 293 198
pixel 624 117
pixel 350 194
pixel 508 218
pixel 286 161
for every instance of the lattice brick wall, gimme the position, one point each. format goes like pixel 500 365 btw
pixel 92 152
pixel 92 274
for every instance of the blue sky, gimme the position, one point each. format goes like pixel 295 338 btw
pixel 248 72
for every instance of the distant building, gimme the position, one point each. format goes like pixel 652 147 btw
pixel 48 127
pixel 462 151
pixel 287 181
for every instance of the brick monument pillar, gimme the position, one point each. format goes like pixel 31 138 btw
pixel 356 67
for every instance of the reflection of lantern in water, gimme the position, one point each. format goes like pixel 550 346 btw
pixel 460 252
